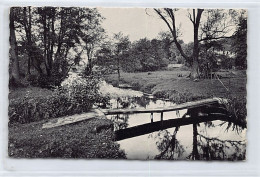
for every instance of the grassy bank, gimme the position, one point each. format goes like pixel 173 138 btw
pixel 169 84
pixel 175 86
pixel 79 140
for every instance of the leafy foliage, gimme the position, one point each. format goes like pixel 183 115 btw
pixel 71 98
pixel 142 55
pixel 240 43
pixel 236 106
pixel 177 97
pixel 52 39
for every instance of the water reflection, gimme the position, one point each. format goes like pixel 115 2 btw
pixel 120 121
pixel 169 147
pixel 181 144
pixel 212 148
pixel 137 102
pixel 204 141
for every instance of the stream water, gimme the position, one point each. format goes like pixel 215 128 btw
pixel 215 141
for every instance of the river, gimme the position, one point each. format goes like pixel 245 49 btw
pixel 215 141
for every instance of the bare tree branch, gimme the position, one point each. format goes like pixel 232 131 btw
pixel 189 16
pixel 215 38
pixel 170 14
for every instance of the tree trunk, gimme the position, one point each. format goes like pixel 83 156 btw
pixel 45 43
pixel 15 73
pixel 195 73
pixel 52 38
pixel 27 26
pixel 37 66
pixel 89 61
pixel 195 153
pixel 59 42
pixel 195 69
pixel 118 70
pixel 195 59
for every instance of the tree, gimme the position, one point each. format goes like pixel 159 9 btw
pixel 240 43
pixel 47 35
pixel 27 22
pixel 165 37
pixel 15 72
pixel 217 24
pixel 104 55
pixel 92 35
pixel 121 45
pixel 168 16
pixel 47 20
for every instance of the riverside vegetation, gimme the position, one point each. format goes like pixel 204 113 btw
pixel 30 107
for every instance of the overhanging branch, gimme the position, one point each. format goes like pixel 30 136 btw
pixel 215 38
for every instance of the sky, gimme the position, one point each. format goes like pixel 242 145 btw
pixel 135 23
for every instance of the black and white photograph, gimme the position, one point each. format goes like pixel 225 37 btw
pixel 127 83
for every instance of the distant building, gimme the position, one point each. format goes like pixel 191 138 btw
pixel 174 65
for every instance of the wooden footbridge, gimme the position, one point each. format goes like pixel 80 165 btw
pixel 197 111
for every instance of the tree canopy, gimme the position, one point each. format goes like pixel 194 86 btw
pixel 210 26
pixel 51 39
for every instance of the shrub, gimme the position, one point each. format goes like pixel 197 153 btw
pixel 71 98
pixel 135 85
pixel 236 107
pixel 148 87
pixel 177 97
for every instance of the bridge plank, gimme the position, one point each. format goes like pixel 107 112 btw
pixel 93 113
pixel 186 105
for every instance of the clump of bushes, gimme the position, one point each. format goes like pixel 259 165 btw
pixel 73 97
pixel 148 87
pixel 236 106
pixel 176 96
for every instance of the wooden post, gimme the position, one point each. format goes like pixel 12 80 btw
pixel 151 117
pixel 161 116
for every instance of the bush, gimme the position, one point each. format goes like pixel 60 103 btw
pixel 148 87
pixel 71 98
pixel 236 107
pixel 177 97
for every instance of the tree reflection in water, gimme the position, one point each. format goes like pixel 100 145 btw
pixel 203 147
pixel 216 149
pixel 120 121
pixel 168 145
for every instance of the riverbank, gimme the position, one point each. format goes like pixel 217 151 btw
pixel 82 140
pixel 175 86
pixel 91 138
pixel 78 140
